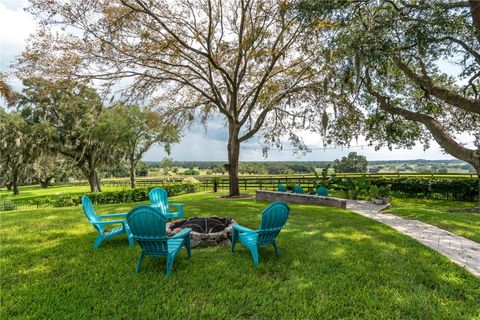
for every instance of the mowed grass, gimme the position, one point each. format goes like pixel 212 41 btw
pixel 36 192
pixel 448 215
pixel 334 264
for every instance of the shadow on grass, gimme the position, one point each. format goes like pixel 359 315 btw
pixel 333 264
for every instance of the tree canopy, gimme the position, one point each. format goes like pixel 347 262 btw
pixel 389 73
pixel 243 60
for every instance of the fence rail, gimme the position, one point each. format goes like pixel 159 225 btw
pixel 262 183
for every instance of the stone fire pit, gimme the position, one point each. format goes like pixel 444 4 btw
pixel 206 231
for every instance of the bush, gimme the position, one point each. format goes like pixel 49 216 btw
pixel 6 204
pixel 112 197
pixel 462 189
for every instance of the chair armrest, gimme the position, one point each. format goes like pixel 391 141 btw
pixel 112 215
pixel 240 228
pixel 109 222
pixel 182 234
pixel 175 204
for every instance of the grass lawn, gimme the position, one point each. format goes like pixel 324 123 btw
pixel 35 191
pixel 334 264
pixel 447 215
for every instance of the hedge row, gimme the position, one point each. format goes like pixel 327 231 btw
pixel 462 189
pixel 112 197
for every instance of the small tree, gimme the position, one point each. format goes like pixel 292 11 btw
pixel 48 167
pixel 141 129
pixel 17 147
pixel 166 165
pixel 351 163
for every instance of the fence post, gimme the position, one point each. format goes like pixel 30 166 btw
pixel 245 183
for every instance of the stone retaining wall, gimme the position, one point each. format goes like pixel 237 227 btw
pixel 289 197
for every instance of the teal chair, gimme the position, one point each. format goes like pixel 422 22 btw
pixel 159 199
pixel 281 188
pixel 148 227
pixel 298 189
pixel 273 220
pixel 99 225
pixel 322 191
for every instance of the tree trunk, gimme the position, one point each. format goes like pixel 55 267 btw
pixel 97 181
pixel 15 182
pixel 93 181
pixel 477 168
pixel 44 184
pixel 133 180
pixel 233 156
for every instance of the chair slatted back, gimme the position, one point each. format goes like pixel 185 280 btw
pixel 298 189
pixel 148 227
pixel 159 197
pixel 89 211
pixel 274 218
pixel 322 191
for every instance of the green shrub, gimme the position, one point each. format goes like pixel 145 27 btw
pixel 6 204
pixel 462 189
pixel 112 197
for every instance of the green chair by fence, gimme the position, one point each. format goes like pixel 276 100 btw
pixel 148 228
pixel 159 199
pixel 322 191
pixel 281 188
pixel 99 225
pixel 273 220
pixel 298 189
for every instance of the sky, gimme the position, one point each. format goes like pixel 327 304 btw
pixel 197 143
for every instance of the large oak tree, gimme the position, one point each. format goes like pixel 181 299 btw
pixel 390 72
pixel 240 59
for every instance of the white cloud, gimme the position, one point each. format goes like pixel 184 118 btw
pixel 15 26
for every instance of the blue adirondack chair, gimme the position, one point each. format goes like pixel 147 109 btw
pixel 281 188
pixel 322 191
pixel 159 199
pixel 99 225
pixel 298 189
pixel 273 220
pixel 148 227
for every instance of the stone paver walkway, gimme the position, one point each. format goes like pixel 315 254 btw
pixel 460 250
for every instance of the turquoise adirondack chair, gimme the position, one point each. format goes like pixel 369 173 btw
pixel 281 188
pixel 298 189
pixel 159 199
pixel 148 228
pixel 99 225
pixel 322 191
pixel 273 220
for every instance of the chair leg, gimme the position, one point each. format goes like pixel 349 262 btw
pixel 187 246
pixel 98 241
pixel 131 241
pixel 277 252
pixel 139 263
pixel 254 251
pixel 170 260
pixel 234 239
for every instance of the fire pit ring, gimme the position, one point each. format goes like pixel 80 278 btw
pixel 206 231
